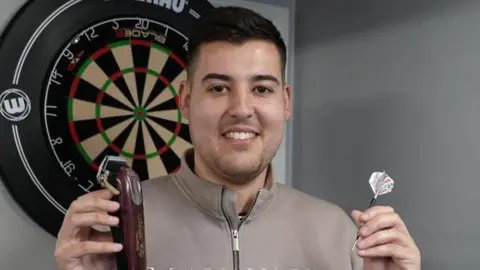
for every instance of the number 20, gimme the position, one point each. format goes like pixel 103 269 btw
pixel 142 24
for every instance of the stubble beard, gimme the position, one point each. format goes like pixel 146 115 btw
pixel 241 172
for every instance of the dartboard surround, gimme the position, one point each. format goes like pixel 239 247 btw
pixel 92 79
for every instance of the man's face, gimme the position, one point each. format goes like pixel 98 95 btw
pixel 237 107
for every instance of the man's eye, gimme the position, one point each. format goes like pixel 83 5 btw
pixel 217 88
pixel 262 90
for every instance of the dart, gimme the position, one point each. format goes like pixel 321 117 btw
pixel 381 184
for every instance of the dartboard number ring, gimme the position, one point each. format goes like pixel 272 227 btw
pixel 83 80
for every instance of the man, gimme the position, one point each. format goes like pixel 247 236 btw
pixel 223 209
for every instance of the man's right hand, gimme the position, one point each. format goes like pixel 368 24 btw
pixel 78 246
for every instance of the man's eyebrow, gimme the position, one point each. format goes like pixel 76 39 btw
pixel 255 78
pixel 216 76
pixel 271 78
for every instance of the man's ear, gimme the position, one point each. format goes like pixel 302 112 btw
pixel 287 95
pixel 184 98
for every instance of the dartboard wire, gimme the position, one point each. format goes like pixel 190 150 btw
pixel 128 148
pixel 170 156
pixel 171 138
pixel 157 59
pixel 46 23
pixel 30 172
pixel 92 73
pixel 36 34
pixel 170 115
pixel 91 148
pixel 163 55
pixel 155 165
pixel 123 54
pixel 82 110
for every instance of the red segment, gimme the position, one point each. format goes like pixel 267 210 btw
pixel 102 129
pixel 178 128
pixel 115 76
pixel 164 80
pixel 73 132
pixel 141 42
pixel 140 157
pixel 100 52
pixel 99 125
pixel 100 96
pixel 115 148
pixel 178 59
pixel 73 89
pixel 141 70
pixel 164 149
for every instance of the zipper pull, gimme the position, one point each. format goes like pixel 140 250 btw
pixel 236 246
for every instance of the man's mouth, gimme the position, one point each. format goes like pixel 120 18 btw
pixel 240 135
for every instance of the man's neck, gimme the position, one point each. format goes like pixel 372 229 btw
pixel 245 193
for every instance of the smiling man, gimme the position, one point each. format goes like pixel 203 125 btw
pixel 223 209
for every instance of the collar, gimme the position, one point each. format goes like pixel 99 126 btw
pixel 217 200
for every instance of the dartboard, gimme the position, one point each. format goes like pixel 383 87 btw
pixel 84 79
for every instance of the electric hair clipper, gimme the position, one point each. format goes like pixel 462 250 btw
pixel 116 175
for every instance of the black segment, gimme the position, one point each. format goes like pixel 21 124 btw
pixel 109 65
pixel 119 81
pixel 171 70
pixel 88 92
pixel 118 142
pixel 170 160
pixel 140 60
pixel 170 104
pixel 156 91
pixel 140 164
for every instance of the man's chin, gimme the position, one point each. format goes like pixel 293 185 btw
pixel 237 166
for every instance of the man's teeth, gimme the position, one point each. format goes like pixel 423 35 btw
pixel 240 135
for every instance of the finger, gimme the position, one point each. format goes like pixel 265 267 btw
pixel 93 218
pixel 360 217
pixel 90 204
pixel 375 211
pixel 101 193
pixel 381 222
pixel 356 217
pixel 87 248
pixel 392 250
pixel 384 237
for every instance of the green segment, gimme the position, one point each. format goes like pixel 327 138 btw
pixel 119 43
pixel 140 113
pixel 161 48
pixel 138 117
pixel 84 66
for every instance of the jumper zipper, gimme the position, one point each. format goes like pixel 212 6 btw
pixel 235 231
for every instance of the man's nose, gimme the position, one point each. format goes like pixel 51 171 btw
pixel 240 104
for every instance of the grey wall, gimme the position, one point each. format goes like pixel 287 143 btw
pixel 394 85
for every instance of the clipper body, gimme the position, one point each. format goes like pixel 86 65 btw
pixel 115 175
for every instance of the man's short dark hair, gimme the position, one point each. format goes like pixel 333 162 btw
pixel 236 25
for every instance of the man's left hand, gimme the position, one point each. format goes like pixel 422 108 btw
pixel 385 243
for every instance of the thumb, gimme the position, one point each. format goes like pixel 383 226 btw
pixel 356 214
